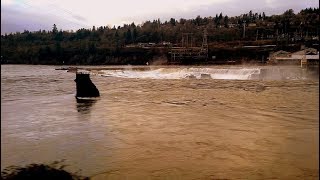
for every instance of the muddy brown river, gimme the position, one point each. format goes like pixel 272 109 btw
pixel 214 122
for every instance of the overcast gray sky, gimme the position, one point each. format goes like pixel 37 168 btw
pixel 17 15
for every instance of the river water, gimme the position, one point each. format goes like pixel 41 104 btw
pixel 163 123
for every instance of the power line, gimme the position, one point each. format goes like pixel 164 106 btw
pixel 59 18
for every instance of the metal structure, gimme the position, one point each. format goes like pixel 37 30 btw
pixel 188 53
pixel 187 40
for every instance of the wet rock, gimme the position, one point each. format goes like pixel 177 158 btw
pixel 205 76
pixel 260 88
pixel 85 87
pixel 191 76
pixel 255 88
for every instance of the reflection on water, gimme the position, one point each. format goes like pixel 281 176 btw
pixel 162 128
pixel 84 105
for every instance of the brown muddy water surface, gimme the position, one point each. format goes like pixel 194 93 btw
pixel 160 124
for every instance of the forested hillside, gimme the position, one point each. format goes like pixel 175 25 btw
pixel 119 45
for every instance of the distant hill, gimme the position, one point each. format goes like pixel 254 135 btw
pixel 119 45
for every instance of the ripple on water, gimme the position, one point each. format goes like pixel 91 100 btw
pixel 162 128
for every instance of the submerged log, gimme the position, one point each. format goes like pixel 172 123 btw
pixel 85 87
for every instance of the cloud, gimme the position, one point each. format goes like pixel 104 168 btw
pixel 73 14
pixel 17 16
pixel 7 2
pixel 237 7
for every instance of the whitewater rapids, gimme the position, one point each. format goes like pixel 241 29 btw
pixel 228 73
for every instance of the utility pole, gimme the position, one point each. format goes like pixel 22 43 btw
pixel 191 41
pixel 205 42
pixel 132 39
pixel 186 40
pixel 244 29
pixel 182 41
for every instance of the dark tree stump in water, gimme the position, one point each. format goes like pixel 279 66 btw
pixel 85 87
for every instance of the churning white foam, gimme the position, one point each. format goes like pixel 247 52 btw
pixel 236 73
pixel 184 73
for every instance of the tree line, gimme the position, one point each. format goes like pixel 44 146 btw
pixel 107 45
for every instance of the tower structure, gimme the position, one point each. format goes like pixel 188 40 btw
pixel 187 40
pixel 205 42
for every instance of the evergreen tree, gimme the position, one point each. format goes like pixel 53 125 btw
pixel 198 20
pixel 226 21
pixel 216 20
pixel 135 33
pixel 172 21
pixel 220 16
pixel 250 14
pixel 128 36
pixel 54 29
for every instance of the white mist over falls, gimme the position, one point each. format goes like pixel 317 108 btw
pixel 228 73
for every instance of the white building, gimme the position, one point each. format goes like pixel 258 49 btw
pixel 305 56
